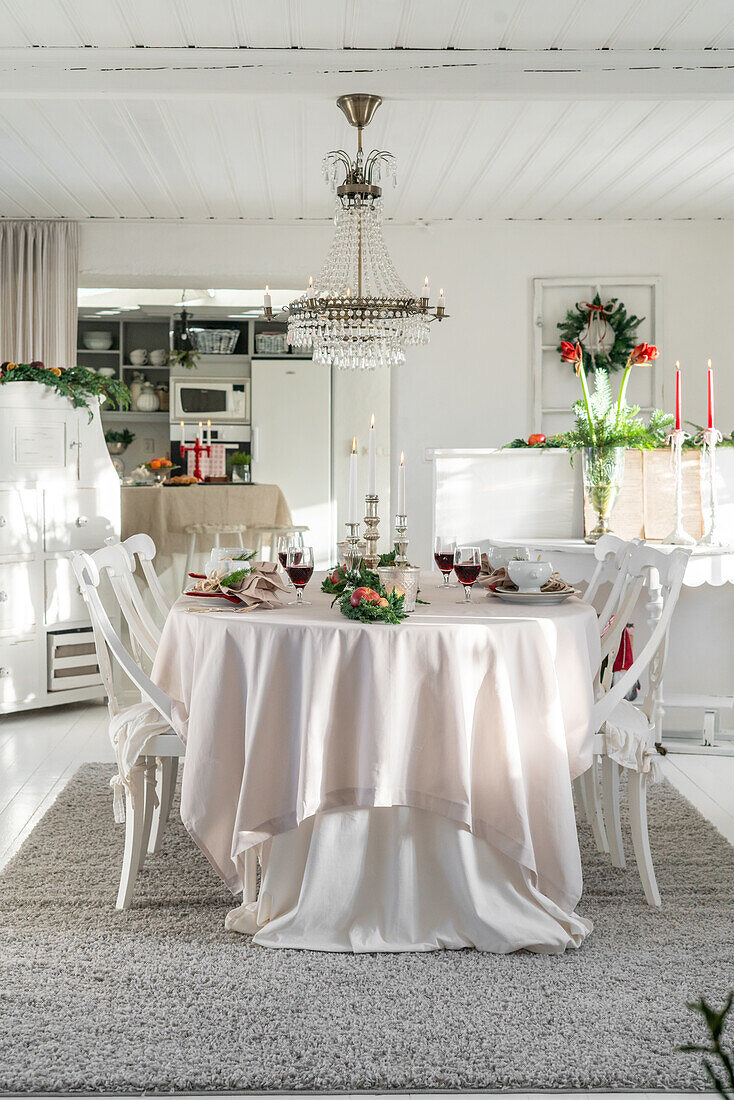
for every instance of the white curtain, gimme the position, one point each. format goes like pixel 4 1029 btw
pixel 39 267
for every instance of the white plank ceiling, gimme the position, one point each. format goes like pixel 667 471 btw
pixel 203 125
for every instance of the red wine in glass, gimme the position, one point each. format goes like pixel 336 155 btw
pixel 299 567
pixel 467 574
pixel 300 575
pixel 467 564
pixel 283 558
pixel 443 555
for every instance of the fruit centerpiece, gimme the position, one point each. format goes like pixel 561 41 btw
pixel 362 597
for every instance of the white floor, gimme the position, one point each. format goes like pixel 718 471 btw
pixel 41 750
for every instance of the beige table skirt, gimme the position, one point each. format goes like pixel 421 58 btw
pixel 164 513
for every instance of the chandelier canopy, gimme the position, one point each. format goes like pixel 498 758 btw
pixel 359 313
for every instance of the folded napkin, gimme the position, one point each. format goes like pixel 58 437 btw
pixel 257 590
pixel 499 578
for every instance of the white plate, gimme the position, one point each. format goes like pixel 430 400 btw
pixel 535 597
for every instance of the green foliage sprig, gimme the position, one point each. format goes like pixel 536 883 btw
pixel 715 1022
pixel 370 612
pixel 80 385
pixel 187 360
pixel 623 324
pixel 356 578
pixel 125 436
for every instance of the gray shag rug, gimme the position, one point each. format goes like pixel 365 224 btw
pixel 161 998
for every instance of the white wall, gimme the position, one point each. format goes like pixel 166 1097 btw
pixel 470 387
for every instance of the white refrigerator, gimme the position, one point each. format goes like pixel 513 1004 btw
pixel 291 443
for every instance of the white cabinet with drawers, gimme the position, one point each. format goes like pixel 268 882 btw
pixel 58 492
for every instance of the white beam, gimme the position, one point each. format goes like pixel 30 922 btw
pixel 42 73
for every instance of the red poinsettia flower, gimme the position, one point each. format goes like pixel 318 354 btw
pixel 643 353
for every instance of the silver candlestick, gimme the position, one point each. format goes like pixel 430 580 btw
pixel 401 540
pixel 679 536
pixel 709 438
pixel 371 534
pixel 352 555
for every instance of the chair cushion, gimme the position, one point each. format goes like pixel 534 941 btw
pixel 629 738
pixel 130 731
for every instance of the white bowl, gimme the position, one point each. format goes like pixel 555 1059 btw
pixel 139 357
pixel 97 341
pixel 158 357
pixel 529 576
pixel 108 372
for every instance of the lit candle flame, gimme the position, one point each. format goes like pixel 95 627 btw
pixel 402 458
pixel 349 293
pixel 372 423
pixel 709 364
pixel 354 445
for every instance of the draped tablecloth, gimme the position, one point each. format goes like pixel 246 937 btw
pixel 459 731
pixel 165 511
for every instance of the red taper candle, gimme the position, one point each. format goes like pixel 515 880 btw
pixel 677 398
pixel 711 396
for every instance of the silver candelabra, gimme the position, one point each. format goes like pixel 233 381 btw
pixel 371 534
pixel 401 540
pixel 679 536
pixel 352 555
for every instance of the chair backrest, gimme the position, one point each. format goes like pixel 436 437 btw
pixel 661 574
pixel 612 555
pixel 145 635
pixel 142 548
pixel 107 641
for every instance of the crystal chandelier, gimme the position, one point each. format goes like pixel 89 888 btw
pixel 359 313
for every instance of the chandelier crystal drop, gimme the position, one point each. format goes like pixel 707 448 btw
pixel 359 314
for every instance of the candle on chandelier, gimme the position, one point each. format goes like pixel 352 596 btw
pixel 426 289
pixel 711 396
pixel 200 432
pixel 311 293
pixel 401 485
pixel 209 432
pixel 441 299
pixel 372 461
pixel 352 515
pixel 268 299
pixel 183 434
pixel 677 397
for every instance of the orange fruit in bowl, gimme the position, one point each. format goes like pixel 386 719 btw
pixel 155 464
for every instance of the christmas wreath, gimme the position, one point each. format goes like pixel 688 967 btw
pixel 606 331
pixel 79 384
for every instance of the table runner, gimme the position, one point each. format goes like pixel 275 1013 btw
pixel 479 714
pixel 164 512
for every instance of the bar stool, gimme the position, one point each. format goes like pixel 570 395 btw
pixel 271 532
pixel 212 530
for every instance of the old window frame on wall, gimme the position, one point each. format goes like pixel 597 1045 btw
pixel 600 285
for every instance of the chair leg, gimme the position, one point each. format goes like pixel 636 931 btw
pixel 189 560
pixel 592 805
pixel 580 797
pixel 150 801
pixel 610 799
pixel 637 795
pixel 134 828
pixel 166 773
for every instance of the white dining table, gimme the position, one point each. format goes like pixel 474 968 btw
pixel 406 787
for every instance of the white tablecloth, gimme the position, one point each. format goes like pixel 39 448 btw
pixel 475 719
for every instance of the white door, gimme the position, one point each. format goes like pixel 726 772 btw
pixel 291 443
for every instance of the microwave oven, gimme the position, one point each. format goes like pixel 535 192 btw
pixel 210 399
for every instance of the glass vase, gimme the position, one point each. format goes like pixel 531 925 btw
pixel 603 473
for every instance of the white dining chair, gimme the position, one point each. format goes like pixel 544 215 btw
pixel 137 774
pixel 625 737
pixel 142 549
pixel 612 555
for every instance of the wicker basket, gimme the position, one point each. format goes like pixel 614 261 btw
pixel 215 341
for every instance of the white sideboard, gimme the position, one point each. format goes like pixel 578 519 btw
pixel 535 498
pixel 58 492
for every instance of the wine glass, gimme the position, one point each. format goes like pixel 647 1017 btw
pixel 467 563
pixel 443 555
pixel 293 538
pixel 299 567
